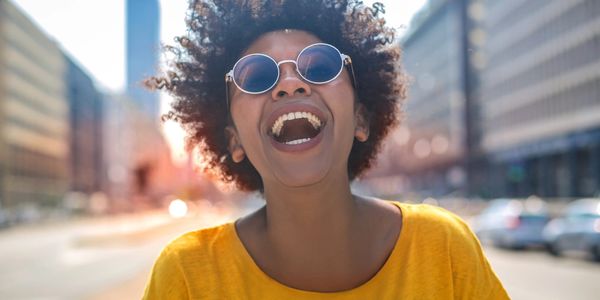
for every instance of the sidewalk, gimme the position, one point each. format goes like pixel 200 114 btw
pixel 132 288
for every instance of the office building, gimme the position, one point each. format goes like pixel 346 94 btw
pixel 86 139
pixel 540 98
pixel 429 147
pixel 514 86
pixel 34 118
pixel 143 48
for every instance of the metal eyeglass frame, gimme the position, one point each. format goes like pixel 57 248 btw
pixel 346 61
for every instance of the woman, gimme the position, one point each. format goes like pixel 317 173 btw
pixel 311 89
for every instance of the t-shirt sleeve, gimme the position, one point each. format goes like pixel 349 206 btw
pixel 473 277
pixel 167 280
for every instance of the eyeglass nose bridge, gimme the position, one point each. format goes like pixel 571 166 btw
pixel 229 75
pixel 298 75
pixel 287 61
pixel 284 62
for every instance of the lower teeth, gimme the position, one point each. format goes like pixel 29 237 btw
pixel 296 142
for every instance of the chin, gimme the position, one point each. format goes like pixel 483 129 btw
pixel 301 178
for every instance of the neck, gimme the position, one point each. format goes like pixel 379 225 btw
pixel 313 213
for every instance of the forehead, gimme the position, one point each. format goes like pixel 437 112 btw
pixel 282 44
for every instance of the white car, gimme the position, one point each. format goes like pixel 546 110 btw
pixel 512 223
pixel 578 230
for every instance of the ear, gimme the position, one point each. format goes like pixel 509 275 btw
pixel 234 144
pixel 361 118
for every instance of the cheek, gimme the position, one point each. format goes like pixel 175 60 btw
pixel 246 117
pixel 339 97
pixel 341 89
pixel 341 106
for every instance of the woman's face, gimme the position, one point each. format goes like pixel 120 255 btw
pixel 311 146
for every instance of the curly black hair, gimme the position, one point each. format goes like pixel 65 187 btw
pixel 220 31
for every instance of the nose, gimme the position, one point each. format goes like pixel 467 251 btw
pixel 290 83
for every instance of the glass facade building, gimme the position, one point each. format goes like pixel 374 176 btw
pixel 143 48
pixel 540 97
pixel 515 87
pixel 86 121
pixel 433 134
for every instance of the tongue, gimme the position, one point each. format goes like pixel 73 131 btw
pixel 296 130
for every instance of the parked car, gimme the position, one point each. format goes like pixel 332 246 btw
pixel 578 230
pixel 4 219
pixel 512 223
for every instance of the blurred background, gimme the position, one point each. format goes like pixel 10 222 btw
pixel 502 126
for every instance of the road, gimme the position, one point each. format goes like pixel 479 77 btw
pixel 110 258
pixel 91 258
pixel 533 274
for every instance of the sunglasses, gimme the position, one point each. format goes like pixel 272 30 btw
pixel 318 63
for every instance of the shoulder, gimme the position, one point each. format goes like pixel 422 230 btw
pixel 193 241
pixel 429 212
pixel 434 218
pixel 447 226
pixel 205 247
pixel 184 260
pixel 194 245
pixel 439 228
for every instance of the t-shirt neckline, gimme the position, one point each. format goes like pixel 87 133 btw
pixel 247 260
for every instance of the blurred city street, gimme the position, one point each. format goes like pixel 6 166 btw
pixel 92 258
pixel 535 274
pixel 501 125
pixel 111 258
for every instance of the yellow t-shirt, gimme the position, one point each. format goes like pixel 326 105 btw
pixel 435 257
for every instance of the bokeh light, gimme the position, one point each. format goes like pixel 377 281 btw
pixel 178 208
pixel 439 144
pixel 422 149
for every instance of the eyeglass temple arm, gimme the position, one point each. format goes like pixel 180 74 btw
pixel 348 61
pixel 228 79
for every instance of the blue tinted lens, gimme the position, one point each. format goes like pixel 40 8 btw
pixel 255 73
pixel 320 63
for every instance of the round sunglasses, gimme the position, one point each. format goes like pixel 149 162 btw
pixel 318 63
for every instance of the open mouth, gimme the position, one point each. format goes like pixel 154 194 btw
pixel 296 128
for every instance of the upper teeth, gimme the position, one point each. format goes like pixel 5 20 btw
pixel 278 125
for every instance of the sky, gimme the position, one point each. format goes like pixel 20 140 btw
pixel 92 33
